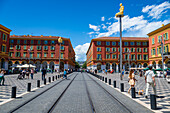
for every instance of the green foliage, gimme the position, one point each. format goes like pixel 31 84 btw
pixel 84 65
pixel 77 65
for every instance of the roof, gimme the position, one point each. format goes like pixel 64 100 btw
pixel 5 28
pixel 118 39
pixel 159 30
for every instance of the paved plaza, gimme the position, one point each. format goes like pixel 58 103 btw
pixel 162 87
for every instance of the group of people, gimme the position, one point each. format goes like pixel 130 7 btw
pixel 2 76
pixel 26 72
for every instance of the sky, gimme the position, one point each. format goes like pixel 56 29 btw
pixel 83 20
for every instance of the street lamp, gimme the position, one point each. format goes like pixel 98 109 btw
pixel 120 15
pixel 29 57
pixel 59 41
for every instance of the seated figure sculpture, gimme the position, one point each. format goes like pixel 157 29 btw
pixel 121 11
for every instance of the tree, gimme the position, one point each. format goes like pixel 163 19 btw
pixel 77 66
pixel 84 65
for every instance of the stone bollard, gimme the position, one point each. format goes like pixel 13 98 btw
pixel 153 101
pixel 38 83
pixel 133 93
pixel 53 78
pixel 44 81
pixel 106 80
pixel 56 77
pixel 109 81
pixel 29 87
pixel 49 79
pixel 114 82
pixel 122 87
pixel 13 94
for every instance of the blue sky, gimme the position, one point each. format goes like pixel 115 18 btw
pixel 82 20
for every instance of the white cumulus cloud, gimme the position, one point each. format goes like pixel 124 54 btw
pixel 80 51
pixel 156 11
pixel 102 18
pixel 95 28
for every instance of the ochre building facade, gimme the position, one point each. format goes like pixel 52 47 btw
pixel 41 51
pixel 104 53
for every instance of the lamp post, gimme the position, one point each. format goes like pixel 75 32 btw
pixel 29 57
pixel 162 54
pixel 59 41
pixel 120 15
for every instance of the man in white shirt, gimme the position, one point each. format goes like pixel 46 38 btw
pixel 150 80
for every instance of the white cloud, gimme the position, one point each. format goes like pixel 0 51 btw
pixel 80 51
pixel 156 11
pixel 90 33
pixel 103 26
pixel 95 28
pixel 102 18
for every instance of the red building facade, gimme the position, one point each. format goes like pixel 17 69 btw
pixel 4 46
pixel 41 51
pixel 103 53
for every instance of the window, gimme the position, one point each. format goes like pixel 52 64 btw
pixel 119 49
pixel 125 49
pixel 4 38
pixel 62 55
pixel 11 47
pixel 99 56
pixel 62 47
pixel 166 36
pixel 107 49
pixel 132 49
pixel 52 47
pixel 25 47
pixel 25 41
pixel 133 57
pixel 63 42
pixel 139 57
pixel 160 50
pixel 114 56
pixel 145 43
pixel 10 54
pixel 52 42
pixel 113 43
pixel 145 57
pixel 38 47
pixel 11 41
pixel 24 54
pixel 125 43
pixel 32 41
pixel 45 47
pixel 153 40
pixel 18 47
pixel 3 49
pixel 145 50
pixel 45 42
pixel 132 43
pixel 31 47
pixel 31 54
pixel 114 49
pixel 118 43
pixel 107 43
pixel 98 49
pixel 159 38
pixel 18 41
pixel 126 57
pixel 38 55
pixel 138 43
pixel 138 49
pixel 107 56
pixel 39 42
pixel 52 54
pixel 45 54
pixel 153 50
pixel 17 54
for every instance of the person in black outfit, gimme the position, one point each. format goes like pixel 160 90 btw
pixel 43 73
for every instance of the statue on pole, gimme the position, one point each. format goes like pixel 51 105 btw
pixel 121 11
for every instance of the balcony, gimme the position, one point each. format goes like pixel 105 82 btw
pixel 98 59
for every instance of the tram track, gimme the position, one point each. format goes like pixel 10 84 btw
pixel 107 92
pixel 33 98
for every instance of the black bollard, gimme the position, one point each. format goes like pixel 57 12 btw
pixel 14 89
pixel 103 78
pixel 106 80
pixel 56 77
pixel 133 93
pixel 44 81
pixel 49 79
pixel 29 87
pixel 38 83
pixel 114 82
pixel 153 101
pixel 109 81
pixel 53 78
pixel 122 87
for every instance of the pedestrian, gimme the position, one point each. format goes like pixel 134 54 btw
pixel 27 73
pixel 150 80
pixel 167 72
pixel 65 74
pixel 32 73
pixel 123 72
pixel 131 80
pixel 43 73
pixel 23 73
pixel 2 76
pixel 106 71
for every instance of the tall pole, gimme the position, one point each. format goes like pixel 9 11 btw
pixel 120 49
pixel 162 46
pixel 59 58
pixel 129 59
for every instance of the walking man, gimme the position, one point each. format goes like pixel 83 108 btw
pixel 150 80
pixel 43 73
pixel 32 73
